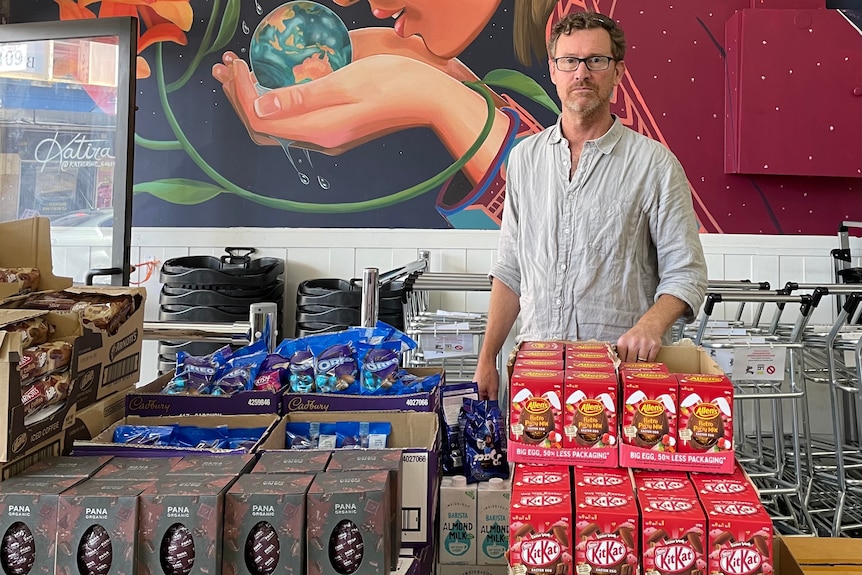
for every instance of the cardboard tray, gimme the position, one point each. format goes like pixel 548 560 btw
pixel 818 556
pixel 27 244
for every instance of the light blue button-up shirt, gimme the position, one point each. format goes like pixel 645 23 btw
pixel 588 255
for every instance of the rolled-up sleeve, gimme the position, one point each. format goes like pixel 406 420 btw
pixel 507 268
pixel 682 266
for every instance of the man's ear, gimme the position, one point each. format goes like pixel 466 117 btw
pixel 620 70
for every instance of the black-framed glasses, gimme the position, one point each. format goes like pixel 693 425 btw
pixel 593 63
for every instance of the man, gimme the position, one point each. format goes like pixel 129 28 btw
pixel 599 238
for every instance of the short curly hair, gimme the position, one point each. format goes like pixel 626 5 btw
pixel 588 21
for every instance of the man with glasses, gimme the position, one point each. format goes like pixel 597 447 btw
pixel 599 237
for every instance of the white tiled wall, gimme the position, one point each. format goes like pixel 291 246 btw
pixel 341 253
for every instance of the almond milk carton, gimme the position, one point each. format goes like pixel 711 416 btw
pixel 493 521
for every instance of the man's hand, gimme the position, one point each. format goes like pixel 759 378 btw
pixel 639 344
pixel 488 378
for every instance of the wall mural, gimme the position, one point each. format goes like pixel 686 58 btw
pixel 401 113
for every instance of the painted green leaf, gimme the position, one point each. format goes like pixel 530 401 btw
pixel 522 84
pixel 180 190
pixel 229 22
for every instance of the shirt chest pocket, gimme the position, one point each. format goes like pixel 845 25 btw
pixel 612 224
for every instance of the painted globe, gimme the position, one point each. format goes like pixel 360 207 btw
pixel 298 42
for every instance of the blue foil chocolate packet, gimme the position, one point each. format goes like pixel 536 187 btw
pixel 335 369
pixel 144 434
pixel 194 375
pixel 301 368
pixel 244 438
pixel 379 368
pixel 201 437
pixel 481 424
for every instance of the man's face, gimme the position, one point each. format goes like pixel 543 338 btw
pixel 446 26
pixel 582 91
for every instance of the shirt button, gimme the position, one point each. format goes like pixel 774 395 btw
pixel 567 231
pixel 562 266
pixel 558 301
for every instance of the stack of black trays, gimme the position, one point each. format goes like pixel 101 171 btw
pixel 325 305
pixel 206 289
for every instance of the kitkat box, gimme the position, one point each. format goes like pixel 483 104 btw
pixel 723 487
pixel 590 417
pixel 649 420
pixel 531 477
pixel 706 416
pixel 673 532
pixel 664 482
pixel 535 414
pixel 606 532
pixel 740 538
pixel 609 480
pixel 540 532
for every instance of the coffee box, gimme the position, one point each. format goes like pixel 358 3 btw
pixel 373 460
pixel 740 537
pixel 705 413
pixel 458 521
pixel 28 522
pixel 673 533
pixel 98 527
pixel 674 483
pixel 531 477
pixel 536 407
pixel 233 465
pixel 136 468
pixel 540 532
pixel 347 514
pixel 606 532
pixel 493 505
pixel 609 480
pixel 649 418
pixel 181 525
pixel 590 415
pixel 292 461
pixel 264 525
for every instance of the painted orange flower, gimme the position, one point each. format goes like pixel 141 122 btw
pixel 159 20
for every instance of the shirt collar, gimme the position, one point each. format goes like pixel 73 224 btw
pixel 604 143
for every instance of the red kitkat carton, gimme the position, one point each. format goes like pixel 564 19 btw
pixel 606 532
pixel 740 538
pixel 673 531
pixel 536 407
pixel 609 480
pixel 540 532
pixel 555 364
pixel 531 477
pixel 705 414
pixel 664 482
pixel 590 417
pixel 723 487
pixel 649 420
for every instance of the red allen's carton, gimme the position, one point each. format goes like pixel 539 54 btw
pixel 606 532
pixel 673 532
pixel 649 416
pixel 540 533
pixel 536 407
pixel 740 538
pixel 590 417
pixel 706 413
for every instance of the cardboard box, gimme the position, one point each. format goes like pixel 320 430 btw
pixel 27 244
pixel 417 436
pixel 264 525
pixel 98 527
pixel 32 501
pixel 319 402
pixel 818 556
pixel 49 448
pixel 94 419
pixel 19 438
pixel 148 401
pixel 104 442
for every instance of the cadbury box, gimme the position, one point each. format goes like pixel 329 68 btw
pixel 109 362
pixel 103 443
pixel 98 527
pixel 23 433
pixel 27 244
pixel 181 525
pixel 264 525
pixel 327 402
pixel 376 459
pixel 73 467
pixel 28 521
pixel 94 419
pixel 292 461
pixel 148 401
pixel 346 514
pixel 417 436
pixel 205 465
pixel 136 468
